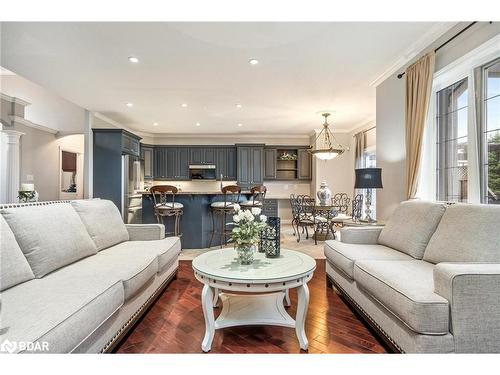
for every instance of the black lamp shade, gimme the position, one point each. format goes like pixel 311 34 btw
pixel 368 178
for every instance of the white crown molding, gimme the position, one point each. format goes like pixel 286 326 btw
pixel 121 126
pixel 12 99
pixel 461 67
pixel 23 121
pixel 415 48
pixel 229 135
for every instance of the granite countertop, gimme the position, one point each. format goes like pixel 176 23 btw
pixel 192 192
pixel 183 192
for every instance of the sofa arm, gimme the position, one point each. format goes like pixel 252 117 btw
pixel 473 292
pixel 360 235
pixel 145 232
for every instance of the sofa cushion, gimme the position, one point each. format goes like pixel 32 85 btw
pixel 14 268
pixel 466 233
pixel 50 236
pixel 103 222
pixel 411 226
pixel 166 250
pixel 62 308
pixel 135 268
pixel 406 288
pixel 344 255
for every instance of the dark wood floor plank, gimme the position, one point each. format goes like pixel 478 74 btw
pixel 175 324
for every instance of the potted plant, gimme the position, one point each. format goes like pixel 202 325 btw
pixel 246 232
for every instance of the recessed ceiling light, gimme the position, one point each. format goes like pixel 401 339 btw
pixel 133 59
pixel 184 105
pixel 155 124
pixel 253 61
pixel 238 105
pixel 198 124
pixel 240 125
pixel 129 104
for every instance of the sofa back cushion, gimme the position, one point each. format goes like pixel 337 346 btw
pixel 411 226
pixel 466 233
pixel 14 268
pixel 103 222
pixel 50 236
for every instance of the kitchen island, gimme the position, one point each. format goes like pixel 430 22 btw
pixel 196 221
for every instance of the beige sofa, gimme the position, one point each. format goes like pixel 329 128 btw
pixel 74 278
pixel 429 281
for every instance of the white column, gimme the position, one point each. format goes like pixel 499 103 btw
pixel 10 165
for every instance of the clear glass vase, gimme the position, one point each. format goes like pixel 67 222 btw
pixel 245 253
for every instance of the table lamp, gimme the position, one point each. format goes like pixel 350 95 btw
pixel 368 178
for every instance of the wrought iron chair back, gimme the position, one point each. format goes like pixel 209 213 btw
pixel 341 202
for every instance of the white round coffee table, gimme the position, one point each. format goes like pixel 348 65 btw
pixel 219 270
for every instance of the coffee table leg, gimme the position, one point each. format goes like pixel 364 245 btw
pixel 300 319
pixel 287 298
pixel 208 313
pixel 216 297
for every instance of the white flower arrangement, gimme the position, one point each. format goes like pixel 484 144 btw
pixel 247 225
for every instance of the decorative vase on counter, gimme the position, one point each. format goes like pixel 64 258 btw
pixel 324 194
pixel 245 253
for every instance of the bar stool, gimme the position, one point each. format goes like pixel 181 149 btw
pixel 220 211
pixel 163 207
pixel 258 196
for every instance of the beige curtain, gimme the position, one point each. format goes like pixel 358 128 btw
pixel 418 93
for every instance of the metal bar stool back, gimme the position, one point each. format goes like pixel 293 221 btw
pixel 258 197
pixel 164 205
pixel 220 211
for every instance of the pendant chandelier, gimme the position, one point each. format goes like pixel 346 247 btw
pixel 326 146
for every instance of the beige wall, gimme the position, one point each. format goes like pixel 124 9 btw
pixel 40 159
pixel 391 153
pixel 40 149
pixel 46 108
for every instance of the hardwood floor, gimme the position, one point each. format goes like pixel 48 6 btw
pixel 175 324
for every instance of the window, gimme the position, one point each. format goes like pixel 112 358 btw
pixel 490 180
pixel 452 126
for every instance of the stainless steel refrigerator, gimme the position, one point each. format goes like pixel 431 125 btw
pixel 132 184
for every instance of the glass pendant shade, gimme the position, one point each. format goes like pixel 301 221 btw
pixel 325 146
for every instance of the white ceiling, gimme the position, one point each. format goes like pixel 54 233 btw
pixel 304 68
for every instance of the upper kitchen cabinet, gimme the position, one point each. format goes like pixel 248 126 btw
pixel 287 163
pixel 171 163
pixel 160 163
pixel 231 167
pixel 147 155
pixel 182 163
pixel 270 163
pixel 226 163
pixel 197 155
pixel 250 165
pixel 130 144
pixel 304 164
pixel 202 155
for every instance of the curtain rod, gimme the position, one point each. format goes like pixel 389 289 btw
pixel 400 75
pixel 364 131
